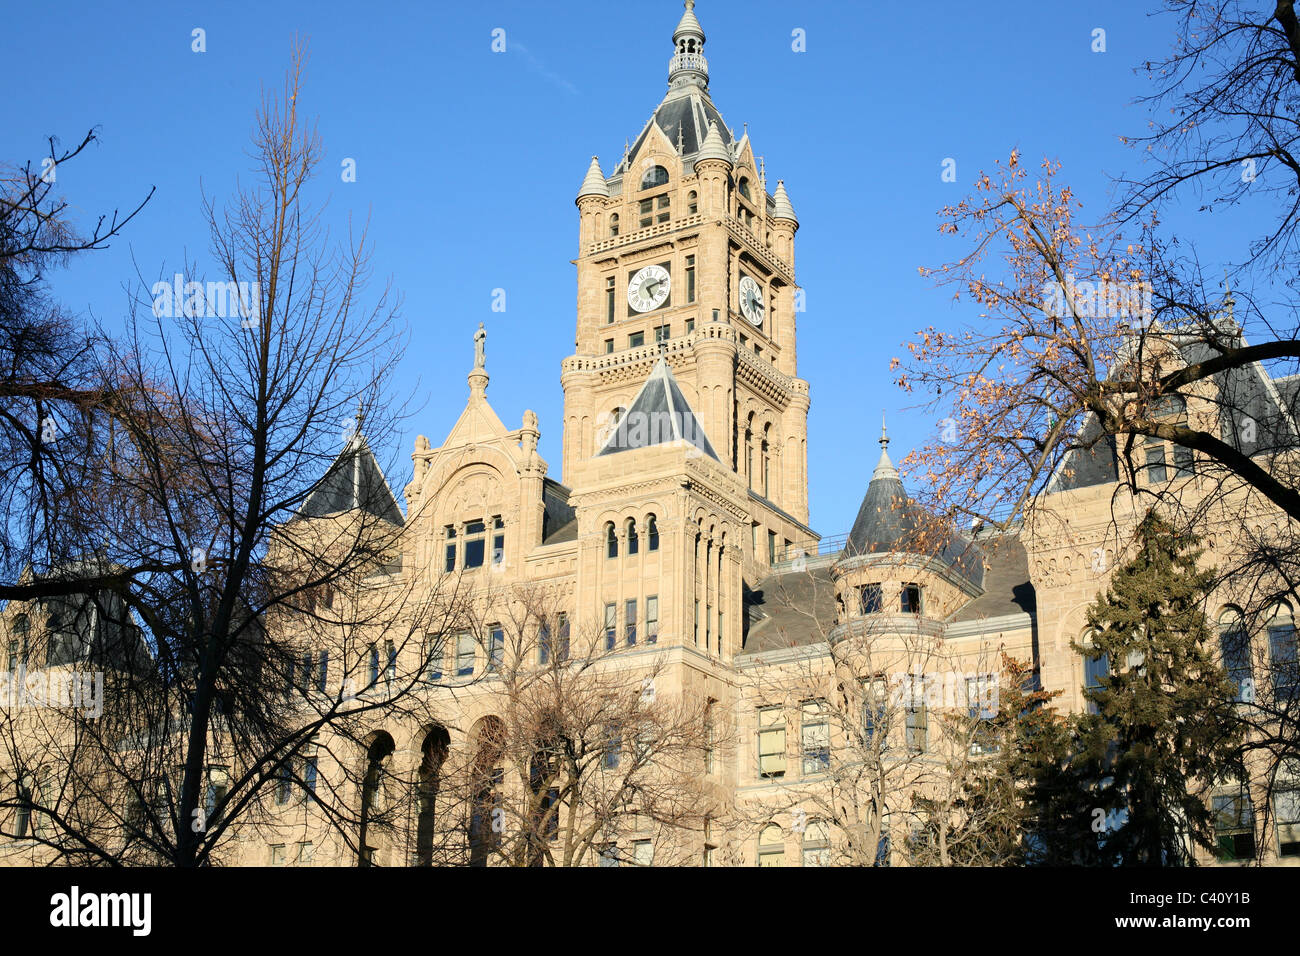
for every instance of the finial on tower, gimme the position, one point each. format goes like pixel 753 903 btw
pixel 884 468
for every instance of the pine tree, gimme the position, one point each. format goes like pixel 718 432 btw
pixel 995 817
pixel 1161 734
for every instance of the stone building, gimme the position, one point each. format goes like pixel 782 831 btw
pixel 679 543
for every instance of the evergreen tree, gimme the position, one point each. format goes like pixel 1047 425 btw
pixel 1021 804
pixel 1161 733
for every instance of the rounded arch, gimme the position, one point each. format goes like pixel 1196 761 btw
pixel 631 536
pixel 1229 615
pixel 742 187
pixel 486 738
pixel 652 532
pixel 613 224
pixel 379 751
pixel 771 846
pixel 487 746
pixel 433 754
pixel 611 540
pixel 692 203
pixel 653 177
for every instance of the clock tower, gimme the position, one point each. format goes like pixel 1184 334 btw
pixel 685 255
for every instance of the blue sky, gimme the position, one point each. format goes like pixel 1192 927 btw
pixel 468 160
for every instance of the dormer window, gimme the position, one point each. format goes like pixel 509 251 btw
pixel 1173 409
pixel 656 176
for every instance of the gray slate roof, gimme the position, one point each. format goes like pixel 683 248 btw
pixel 659 414
pixel 890 522
pixel 353 482
pixel 1247 394
pixel 692 109
pixel 1007 588
pixel 791 608
pixel 558 520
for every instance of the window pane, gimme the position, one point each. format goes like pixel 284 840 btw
pixel 464 655
pixel 1156 464
pixel 1236 657
pixel 873 598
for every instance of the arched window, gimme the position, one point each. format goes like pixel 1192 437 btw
pixel 434 750
pixel 1094 669
pixel 545 776
pixel 613 224
pixel 611 540
pixel 692 203
pixel 633 540
pixel 767 458
pixel 1235 645
pixel 1282 654
pixel 771 846
pixel 655 176
pixel 22 808
pixel 816 844
pixel 372 789
pixel 487 740
pixel 743 188
pixel 652 534
pixel 749 450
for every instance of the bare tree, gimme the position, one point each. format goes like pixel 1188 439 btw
pixel 886 735
pixel 251 611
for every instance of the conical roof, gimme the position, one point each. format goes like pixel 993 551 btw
pixel 594 184
pixel 659 414
pixel 889 522
pixel 783 209
pixel 689 24
pixel 713 146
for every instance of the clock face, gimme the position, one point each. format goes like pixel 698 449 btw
pixel 751 300
pixel 648 288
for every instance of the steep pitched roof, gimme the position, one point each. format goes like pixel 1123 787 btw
pixel 1247 395
pixel 353 482
pixel 889 522
pixel 659 414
